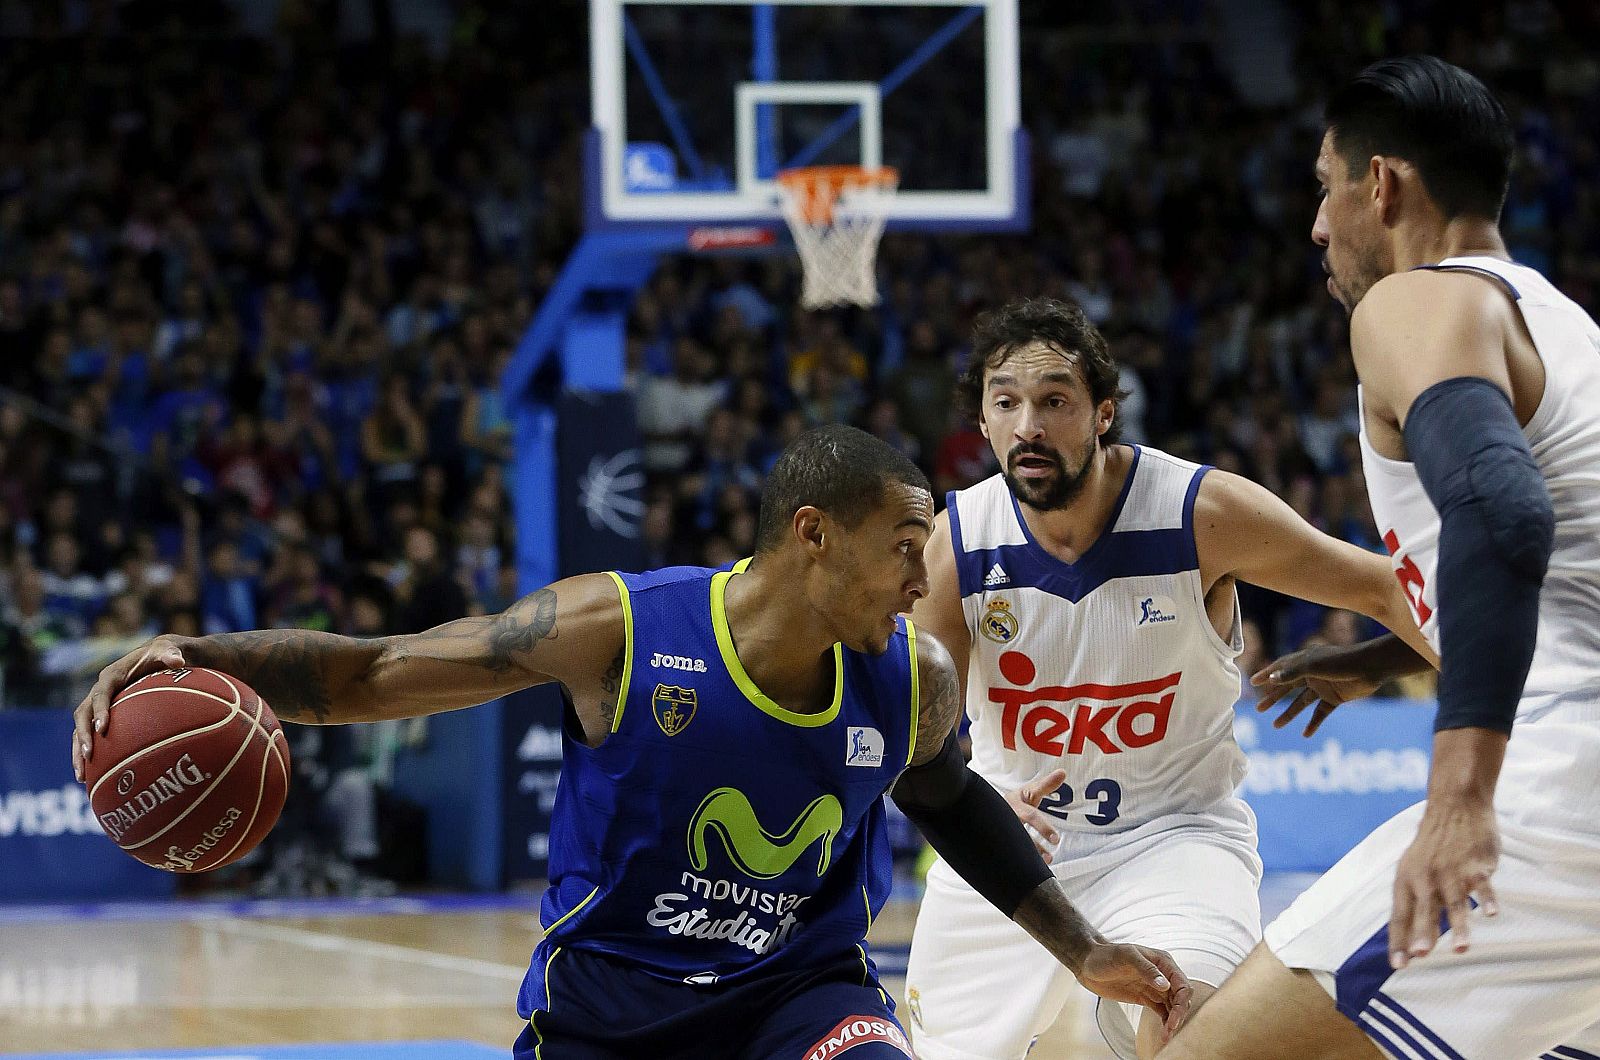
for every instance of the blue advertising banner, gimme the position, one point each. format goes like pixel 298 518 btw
pixel 51 847
pixel 530 767
pixel 1316 798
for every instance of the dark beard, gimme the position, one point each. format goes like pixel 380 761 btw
pixel 1051 495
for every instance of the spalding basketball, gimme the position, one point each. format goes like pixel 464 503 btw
pixel 191 772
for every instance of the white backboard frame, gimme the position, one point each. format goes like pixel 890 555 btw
pixel 752 200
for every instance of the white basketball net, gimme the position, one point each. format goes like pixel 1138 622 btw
pixel 837 214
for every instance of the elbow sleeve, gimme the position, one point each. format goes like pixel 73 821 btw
pixel 972 827
pixel 1496 535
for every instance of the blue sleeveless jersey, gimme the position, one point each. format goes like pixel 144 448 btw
pixel 715 834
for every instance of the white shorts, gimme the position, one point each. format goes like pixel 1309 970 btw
pixel 1529 986
pixel 978 987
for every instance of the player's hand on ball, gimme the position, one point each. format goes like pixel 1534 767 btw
pixel 1025 803
pixel 163 653
pixel 1320 674
pixel 1455 853
pixel 1140 975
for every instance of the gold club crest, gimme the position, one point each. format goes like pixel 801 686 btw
pixel 999 624
pixel 673 707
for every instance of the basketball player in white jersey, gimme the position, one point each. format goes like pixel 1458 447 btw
pixel 1087 593
pixel 1467 927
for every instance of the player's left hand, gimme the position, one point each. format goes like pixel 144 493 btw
pixel 1140 975
pixel 1320 674
pixel 1024 802
pixel 1451 860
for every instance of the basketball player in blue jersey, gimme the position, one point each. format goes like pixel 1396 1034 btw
pixel 718 848
pixel 1464 928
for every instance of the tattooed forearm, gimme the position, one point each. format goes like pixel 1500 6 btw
pixel 523 625
pixel 1048 916
pixel 319 677
pixel 298 672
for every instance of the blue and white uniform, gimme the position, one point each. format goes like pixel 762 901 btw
pixel 1529 986
pixel 1110 668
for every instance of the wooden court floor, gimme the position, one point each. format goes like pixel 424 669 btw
pixel 222 980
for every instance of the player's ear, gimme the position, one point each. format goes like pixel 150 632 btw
pixel 809 530
pixel 1386 185
pixel 1105 416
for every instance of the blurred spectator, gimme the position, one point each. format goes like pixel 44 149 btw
pixel 673 409
pixel 254 317
pixel 428 592
pixel 393 441
pixel 922 387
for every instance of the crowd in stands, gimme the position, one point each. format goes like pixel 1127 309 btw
pixel 256 293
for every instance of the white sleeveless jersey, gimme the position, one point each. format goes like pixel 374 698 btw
pixel 1108 667
pixel 1564 435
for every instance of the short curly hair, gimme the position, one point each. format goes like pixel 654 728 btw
pixel 1057 323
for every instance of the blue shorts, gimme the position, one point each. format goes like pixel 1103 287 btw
pixel 586 1006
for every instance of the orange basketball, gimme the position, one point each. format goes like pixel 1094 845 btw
pixel 191 772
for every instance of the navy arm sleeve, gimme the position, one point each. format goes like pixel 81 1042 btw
pixel 972 827
pixel 1496 533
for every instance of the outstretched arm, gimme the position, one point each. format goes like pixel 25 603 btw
pixel 1330 675
pixel 570 632
pixel 1242 529
pixel 973 829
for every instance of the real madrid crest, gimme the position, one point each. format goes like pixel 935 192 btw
pixel 673 707
pixel 999 624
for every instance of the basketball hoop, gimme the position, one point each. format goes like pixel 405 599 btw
pixel 837 214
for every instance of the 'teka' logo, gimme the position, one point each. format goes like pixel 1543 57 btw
pixel 1073 719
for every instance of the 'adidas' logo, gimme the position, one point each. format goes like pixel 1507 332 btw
pixel 996 576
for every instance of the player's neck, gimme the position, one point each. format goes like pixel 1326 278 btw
pixel 1464 237
pixel 1067 533
pixel 781 641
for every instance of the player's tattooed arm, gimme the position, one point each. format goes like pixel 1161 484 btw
pixel 611 687
pixel 940 611
pixel 314 677
pixel 939 707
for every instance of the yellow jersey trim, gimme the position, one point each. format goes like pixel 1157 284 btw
pixel 916 689
pixel 549 1005
pixel 743 565
pixel 868 903
pixel 549 1002
pixel 568 915
pixel 866 972
pixel 627 648
pixel 730 659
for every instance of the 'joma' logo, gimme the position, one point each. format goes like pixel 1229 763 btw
pixel 677 662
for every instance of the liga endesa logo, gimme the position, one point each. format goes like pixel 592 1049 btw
pixel 1112 718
